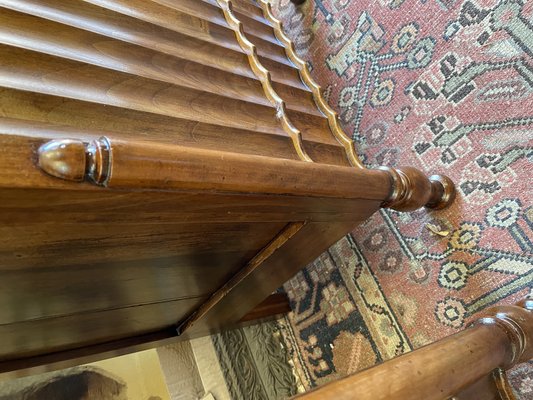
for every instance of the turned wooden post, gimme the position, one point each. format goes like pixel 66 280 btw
pixel 135 164
pixel 412 190
pixel 500 339
pixel 146 165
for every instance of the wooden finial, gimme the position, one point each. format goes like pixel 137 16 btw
pixel 517 323
pixel 412 190
pixel 75 160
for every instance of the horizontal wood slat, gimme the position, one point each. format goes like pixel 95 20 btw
pixel 104 22
pixel 189 24
pixel 84 205
pixel 57 117
pixel 30 71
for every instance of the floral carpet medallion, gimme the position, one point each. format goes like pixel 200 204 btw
pixel 445 86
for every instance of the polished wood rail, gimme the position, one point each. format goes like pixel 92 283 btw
pixel 467 365
pixel 145 165
pixel 165 165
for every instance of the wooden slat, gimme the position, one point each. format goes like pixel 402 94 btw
pixel 85 206
pixel 189 24
pixel 314 128
pixel 34 114
pixel 105 22
pixel 37 34
pixel 190 18
pixel 326 153
pixel 27 70
pixel 208 11
pixel 307 128
pixel 321 103
pixel 54 334
pixel 98 20
pixel 259 28
pixel 48 37
pixel 246 8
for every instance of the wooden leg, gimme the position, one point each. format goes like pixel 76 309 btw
pixel 297 2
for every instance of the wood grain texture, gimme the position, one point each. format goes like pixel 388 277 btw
pixel 189 24
pixel 77 330
pixel 182 191
pixel 166 167
pixel 26 70
pixel 38 116
pixel 302 248
pixel 98 286
pixel 244 273
pixel 265 78
pixel 500 339
pixel 92 205
pixel 29 246
pixel 123 27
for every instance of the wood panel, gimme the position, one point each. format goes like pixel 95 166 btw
pixel 94 205
pixel 55 334
pixel 33 245
pixel 44 36
pixel 27 70
pixel 43 116
pixel 190 24
pixel 86 16
pixel 108 23
pixel 302 248
pixel 109 285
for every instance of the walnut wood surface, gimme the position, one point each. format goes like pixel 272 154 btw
pixel 205 119
pixel 275 303
pixel 83 329
pixel 145 165
pixel 300 249
pixel 34 33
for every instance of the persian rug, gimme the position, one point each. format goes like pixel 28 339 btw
pixel 445 86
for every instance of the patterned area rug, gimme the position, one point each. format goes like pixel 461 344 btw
pixel 445 86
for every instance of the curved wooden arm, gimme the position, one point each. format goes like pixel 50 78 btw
pixel 500 339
